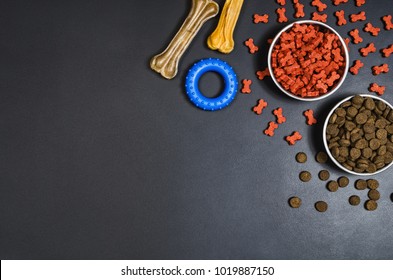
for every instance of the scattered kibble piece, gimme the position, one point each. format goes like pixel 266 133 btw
pixel 340 17
pixel 292 139
pixel 301 157
pixel 371 205
pixel 250 44
pixel 332 186
pixel 281 15
pixel 356 67
pixel 388 22
pixel 271 128
pixel 343 181
pixel 261 18
pixel 246 86
pixel 263 73
pixel 369 49
pixel 295 202
pixel 358 17
pixel 384 68
pixel 321 206
pixel 262 104
pixel 320 6
pixel 372 184
pixel 374 31
pixel 374 195
pixel 299 10
pixel 374 87
pixel 354 200
pixel 321 157
pixel 309 114
pixel 355 36
pixel 361 184
pixel 324 175
pixel 280 118
pixel 319 17
pixel 387 51
pixel 360 2
pixel 305 176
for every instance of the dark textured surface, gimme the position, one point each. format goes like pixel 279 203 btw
pixel 102 158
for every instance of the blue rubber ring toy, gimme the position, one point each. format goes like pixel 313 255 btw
pixel 211 65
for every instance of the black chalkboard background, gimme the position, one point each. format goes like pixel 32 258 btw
pixel 102 158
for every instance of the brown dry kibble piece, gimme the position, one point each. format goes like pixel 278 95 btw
pixel 324 175
pixel 295 202
pixel 371 205
pixel 361 184
pixel 305 176
pixel 322 157
pixel 321 206
pixel 301 157
pixel 332 186
pixel 343 181
pixel 374 195
pixel 354 200
pixel 372 184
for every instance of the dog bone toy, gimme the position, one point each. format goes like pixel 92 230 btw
pixel 387 51
pixel 261 18
pixel 292 139
pixel 280 118
pixel 246 86
pixel 369 49
pixel 309 114
pixel 222 38
pixel 374 87
pixel 384 68
pixel 358 17
pixel 250 44
pixel 355 68
pixel 371 29
pixel 270 130
pixel 258 109
pixel 340 17
pixel 388 22
pixel 166 63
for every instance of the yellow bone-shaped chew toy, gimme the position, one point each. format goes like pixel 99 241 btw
pixel 166 63
pixel 222 38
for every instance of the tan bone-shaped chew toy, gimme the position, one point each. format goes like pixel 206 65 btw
pixel 222 38
pixel 166 63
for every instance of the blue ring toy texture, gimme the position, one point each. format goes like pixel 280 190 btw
pixel 211 65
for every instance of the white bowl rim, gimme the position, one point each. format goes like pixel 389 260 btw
pixel 327 146
pixel 346 60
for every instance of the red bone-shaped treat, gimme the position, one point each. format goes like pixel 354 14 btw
pixel 295 1
pixel 347 41
pixel 281 15
pixel 309 114
pixel 340 17
pixel 261 18
pixel 258 109
pixel 319 17
pixel 338 2
pixel 321 86
pixel 278 113
pixel 369 49
pixel 250 44
pixel 355 68
pixel 262 74
pixel 299 10
pixel 387 51
pixel 360 2
pixel 333 77
pixel 380 90
pixel 384 68
pixel 337 55
pixel 358 17
pixel 320 6
pixel 355 35
pixel 292 139
pixel 371 29
pixel 388 22
pixel 246 86
pixel 281 2
pixel 270 130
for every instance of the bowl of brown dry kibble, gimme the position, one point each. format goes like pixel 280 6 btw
pixel 308 60
pixel 358 135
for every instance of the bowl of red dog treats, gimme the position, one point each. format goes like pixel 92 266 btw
pixel 308 60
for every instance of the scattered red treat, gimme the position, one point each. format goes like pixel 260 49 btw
pixel 355 68
pixel 270 130
pixel 388 22
pixel 269 41
pixel 246 86
pixel 358 17
pixel 355 36
pixel 280 118
pixel 340 17
pixel 319 17
pixel 292 139
pixel 250 44
pixel 387 51
pixel 258 109
pixel 261 18
pixel 360 2
pixel 281 2
pixel 262 74
pixel 384 68
pixel 369 49
pixel 309 114
pixel 299 10
pixel 371 29
pixel 380 90
pixel 338 2
pixel 320 6
pixel 281 15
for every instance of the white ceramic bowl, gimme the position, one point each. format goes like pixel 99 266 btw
pixel 326 143
pixel 343 46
